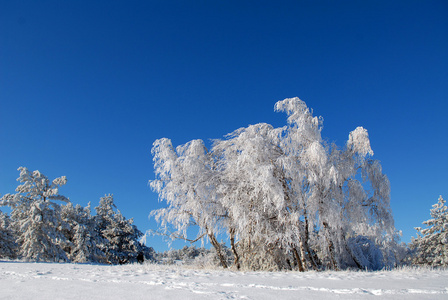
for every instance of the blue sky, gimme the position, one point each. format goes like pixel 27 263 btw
pixel 86 87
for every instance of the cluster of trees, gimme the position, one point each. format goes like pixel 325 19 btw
pixel 283 198
pixel 45 226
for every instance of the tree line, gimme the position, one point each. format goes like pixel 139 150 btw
pixel 45 226
pixel 281 198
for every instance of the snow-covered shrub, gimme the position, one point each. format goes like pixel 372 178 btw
pixel 365 253
pixel 193 257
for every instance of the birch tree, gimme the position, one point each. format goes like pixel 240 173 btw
pixel 285 197
pixel 186 180
pixel 253 191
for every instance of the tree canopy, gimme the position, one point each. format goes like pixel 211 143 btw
pixel 285 197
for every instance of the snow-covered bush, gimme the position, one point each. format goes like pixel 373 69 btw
pixel 365 253
pixel 193 257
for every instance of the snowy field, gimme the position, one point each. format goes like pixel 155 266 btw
pixel 20 280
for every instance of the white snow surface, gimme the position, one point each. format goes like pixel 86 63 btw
pixel 23 280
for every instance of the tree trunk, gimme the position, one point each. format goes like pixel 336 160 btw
pixel 357 263
pixel 333 263
pixel 311 257
pixel 303 255
pixel 218 249
pixel 232 245
pixel 298 259
pixel 305 243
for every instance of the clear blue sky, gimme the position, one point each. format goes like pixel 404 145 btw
pixel 87 86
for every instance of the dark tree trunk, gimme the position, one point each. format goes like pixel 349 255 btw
pixel 235 253
pixel 333 262
pixel 298 259
pixel 218 249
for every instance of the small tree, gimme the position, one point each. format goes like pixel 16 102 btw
pixel 81 235
pixel 36 217
pixel 120 238
pixel 8 246
pixel 431 244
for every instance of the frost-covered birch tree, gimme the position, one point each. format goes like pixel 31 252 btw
pixel 342 193
pixel 254 192
pixel 186 178
pixel 285 197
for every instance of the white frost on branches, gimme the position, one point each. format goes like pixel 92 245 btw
pixel 284 196
pixel 358 141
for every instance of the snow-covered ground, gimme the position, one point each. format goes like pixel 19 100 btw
pixel 20 280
